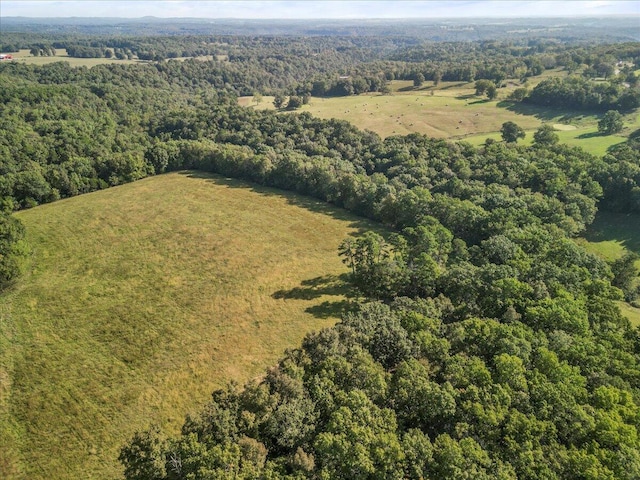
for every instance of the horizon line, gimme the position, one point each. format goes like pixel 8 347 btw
pixel 334 19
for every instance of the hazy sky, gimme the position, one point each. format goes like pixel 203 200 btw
pixel 316 9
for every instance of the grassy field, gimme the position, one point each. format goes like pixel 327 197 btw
pixel 610 235
pixel 451 110
pixel 446 114
pixel 61 56
pixel 576 130
pixel 447 111
pixel 141 299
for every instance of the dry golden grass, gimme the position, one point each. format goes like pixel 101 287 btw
pixel 449 110
pixel 140 300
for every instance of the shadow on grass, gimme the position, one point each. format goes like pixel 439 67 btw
pixel 455 85
pixel 465 97
pixel 484 100
pixel 616 146
pixel 317 287
pixel 590 135
pixel 621 227
pixel 542 113
pixel 408 89
pixel 335 285
pixel 361 225
pixel 335 309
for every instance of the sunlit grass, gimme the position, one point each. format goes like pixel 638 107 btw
pixel 140 300
pixel 586 138
pixel 451 112
pixel 632 313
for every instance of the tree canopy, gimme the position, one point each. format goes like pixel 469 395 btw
pixel 610 123
pixel 511 132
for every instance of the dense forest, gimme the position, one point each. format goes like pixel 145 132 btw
pixel 487 344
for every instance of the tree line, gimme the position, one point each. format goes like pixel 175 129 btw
pixel 348 65
pixel 577 93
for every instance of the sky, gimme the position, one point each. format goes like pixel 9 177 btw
pixel 285 9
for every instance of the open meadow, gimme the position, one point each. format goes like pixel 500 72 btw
pixel 24 56
pixel 449 110
pixel 140 300
pixel 452 110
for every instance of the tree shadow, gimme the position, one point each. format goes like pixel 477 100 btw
pixel 318 287
pixel 335 309
pixel 455 85
pixel 465 97
pixel 541 113
pixel 614 226
pixel 590 135
pixel 359 224
pixel 484 100
pixel 333 285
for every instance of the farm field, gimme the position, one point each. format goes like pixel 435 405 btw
pixel 61 56
pixel 140 300
pixel 609 236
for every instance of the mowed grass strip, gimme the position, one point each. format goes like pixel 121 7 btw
pixel 141 299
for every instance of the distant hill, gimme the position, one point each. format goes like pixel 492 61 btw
pixel 434 29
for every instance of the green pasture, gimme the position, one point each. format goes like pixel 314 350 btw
pixel 579 130
pixel 140 300
pixel 586 138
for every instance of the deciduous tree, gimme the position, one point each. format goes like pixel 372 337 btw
pixel 610 123
pixel 511 132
